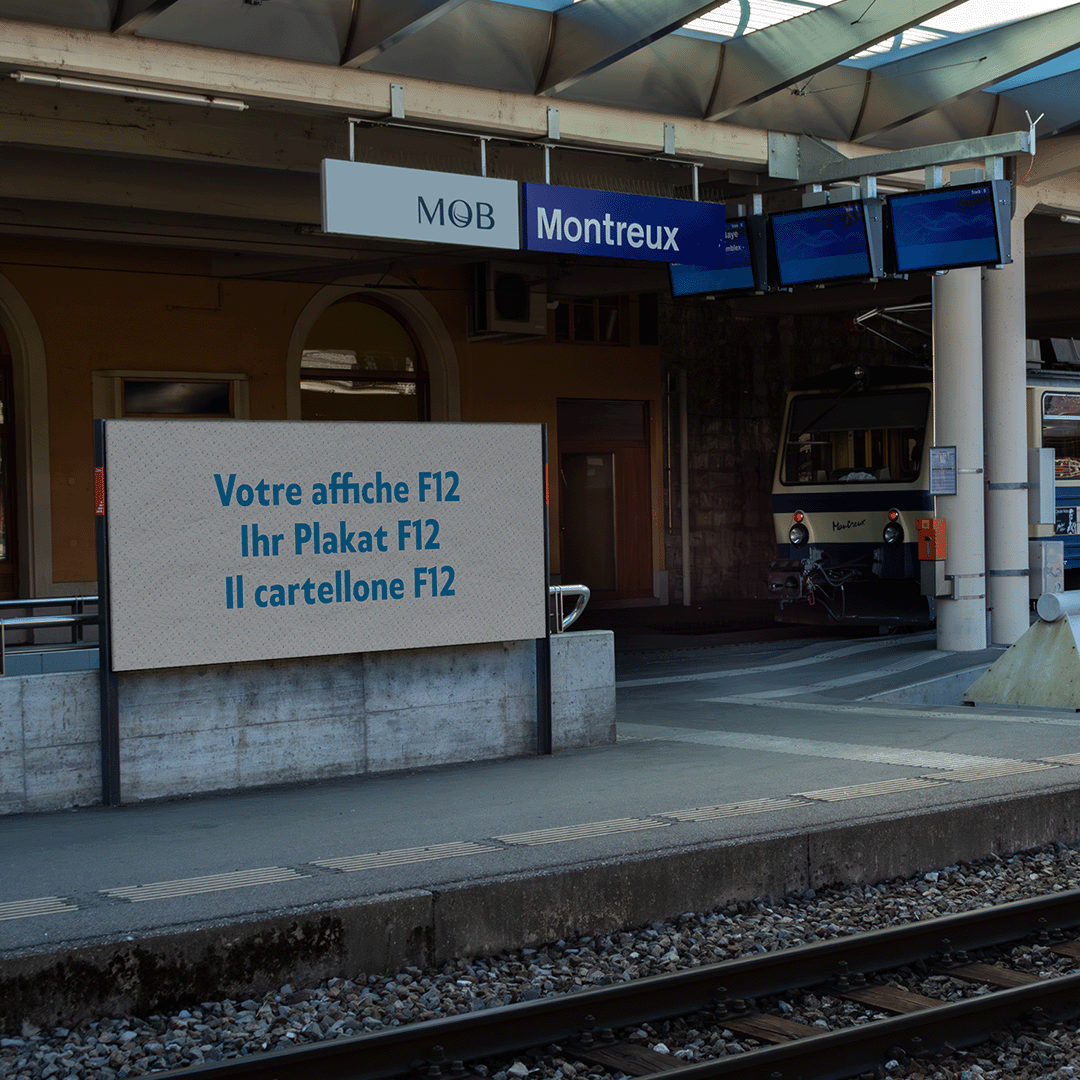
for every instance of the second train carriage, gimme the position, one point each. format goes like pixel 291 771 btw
pixel 852 478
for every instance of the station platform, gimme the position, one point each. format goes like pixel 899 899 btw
pixel 747 763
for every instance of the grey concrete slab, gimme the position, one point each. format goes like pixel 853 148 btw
pixel 724 752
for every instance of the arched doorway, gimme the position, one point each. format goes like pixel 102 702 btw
pixel 361 362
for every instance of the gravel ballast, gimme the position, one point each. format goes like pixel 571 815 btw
pixel 108 1048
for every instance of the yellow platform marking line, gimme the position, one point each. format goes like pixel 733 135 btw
pixel 403 856
pixel 239 879
pixel 41 905
pixel 863 791
pixel 583 832
pixel 988 772
pixel 726 810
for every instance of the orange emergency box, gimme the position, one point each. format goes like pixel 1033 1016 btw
pixel 931 539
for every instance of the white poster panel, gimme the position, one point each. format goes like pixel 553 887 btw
pixel 252 541
pixel 360 199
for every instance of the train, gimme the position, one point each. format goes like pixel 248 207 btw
pixel 852 478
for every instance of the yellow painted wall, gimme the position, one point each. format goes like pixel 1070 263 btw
pixel 106 307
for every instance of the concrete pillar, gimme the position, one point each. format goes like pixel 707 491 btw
pixel 1004 325
pixel 958 421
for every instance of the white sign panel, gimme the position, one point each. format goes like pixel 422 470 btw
pixel 360 199
pixel 232 542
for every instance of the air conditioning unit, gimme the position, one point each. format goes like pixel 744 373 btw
pixel 509 299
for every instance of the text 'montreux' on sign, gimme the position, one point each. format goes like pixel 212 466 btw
pixel 586 222
pixel 254 541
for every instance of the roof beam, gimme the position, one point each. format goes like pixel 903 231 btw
pixel 905 89
pixel 759 64
pixel 810 161
pixel 1056 157
pixel 1057 99
pixel 592 34
pixel 328 90
pixel 132 15
pixel 371 38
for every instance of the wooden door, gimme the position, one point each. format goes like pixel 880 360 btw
pixel 605 497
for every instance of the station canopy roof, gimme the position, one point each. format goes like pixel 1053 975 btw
pixel 889 73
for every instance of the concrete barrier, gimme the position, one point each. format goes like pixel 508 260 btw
pixel 186 731
pixel 1043 668
pixel 490 915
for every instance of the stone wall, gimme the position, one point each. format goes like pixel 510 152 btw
pixel 187 731
pixel 739 369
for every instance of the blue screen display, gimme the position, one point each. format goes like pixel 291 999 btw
pixel 689 279
pixel 822 243
pixel 945 227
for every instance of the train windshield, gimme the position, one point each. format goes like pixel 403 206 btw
pixel 857 438
pixel 1061 430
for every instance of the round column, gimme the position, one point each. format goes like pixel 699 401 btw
pixel 1004 325
pixel 958 421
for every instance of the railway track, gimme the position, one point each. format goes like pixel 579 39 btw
pixel 983 950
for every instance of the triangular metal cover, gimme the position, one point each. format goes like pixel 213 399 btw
pixel 1042 669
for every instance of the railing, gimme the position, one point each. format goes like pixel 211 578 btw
pixel 564 622
pixel 79 617
pixel 75 620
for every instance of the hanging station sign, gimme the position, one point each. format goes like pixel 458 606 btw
pixel 360 199
pixel 578 221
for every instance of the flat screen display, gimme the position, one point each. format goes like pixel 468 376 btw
pixel 945 228
pixel 690 279
pixel 821 243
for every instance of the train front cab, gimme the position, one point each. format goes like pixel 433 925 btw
pixel 851 481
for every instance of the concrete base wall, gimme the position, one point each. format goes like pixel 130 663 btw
pixel 492 915
pixel 191 730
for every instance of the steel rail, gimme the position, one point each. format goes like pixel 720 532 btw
pixel 838 1055
pixel 562 1018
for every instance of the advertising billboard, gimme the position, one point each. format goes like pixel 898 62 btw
pixel 232 542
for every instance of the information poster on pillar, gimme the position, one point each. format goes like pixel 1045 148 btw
pixel 254 541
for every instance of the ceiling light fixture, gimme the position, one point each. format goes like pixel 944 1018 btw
pixel 144 92
pixel 1070 219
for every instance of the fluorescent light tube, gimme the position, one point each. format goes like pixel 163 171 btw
pixel 121 90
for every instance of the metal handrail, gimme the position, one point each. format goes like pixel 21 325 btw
pixel 563 622
pixel 48 601
pixel 75 621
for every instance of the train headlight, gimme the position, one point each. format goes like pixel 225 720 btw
pixel 893 533
pixel 798 533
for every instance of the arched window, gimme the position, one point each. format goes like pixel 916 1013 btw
pixel 360 362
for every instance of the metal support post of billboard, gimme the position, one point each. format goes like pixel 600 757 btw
pixel 543 645
pixel 107 681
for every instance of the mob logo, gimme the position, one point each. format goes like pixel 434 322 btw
pixel 459 213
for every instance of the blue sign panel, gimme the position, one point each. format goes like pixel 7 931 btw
pixel 583 222
pixel 821 243
pixel 690 279
pixel 946 227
